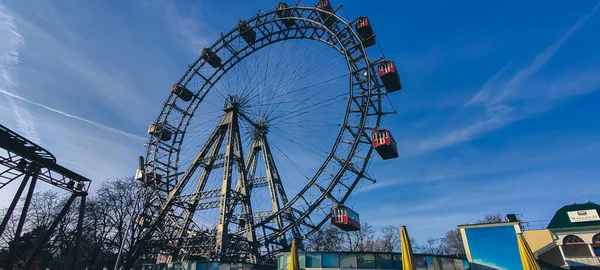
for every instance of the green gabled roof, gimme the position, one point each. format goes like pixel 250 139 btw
pixel 561 218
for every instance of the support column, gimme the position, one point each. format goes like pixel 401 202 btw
pixel 229 159
pixel 17 239
pixel 14 202
pixel 78 232
pixel 562 253
pixel 594 254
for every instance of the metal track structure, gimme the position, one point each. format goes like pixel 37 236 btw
pixel 22 159
pixel 169 225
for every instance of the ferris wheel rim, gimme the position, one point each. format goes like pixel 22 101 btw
pixel 316 24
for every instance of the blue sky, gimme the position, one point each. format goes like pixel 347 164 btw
pixel 498 112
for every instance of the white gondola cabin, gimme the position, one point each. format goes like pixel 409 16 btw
pixel 159 130
pixel 345 218
pixel 384 144
pixel 181 92
pixel 211 58
pixel 389 76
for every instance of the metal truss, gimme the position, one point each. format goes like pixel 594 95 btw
pixel 22 159
pixel 342 170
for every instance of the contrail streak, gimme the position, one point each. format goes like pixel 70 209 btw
pixel 12 41
pixel 98 125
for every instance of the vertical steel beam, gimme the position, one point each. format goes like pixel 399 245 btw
pixel 251 161
pixel 78 232
pixel 245 194
pixel 272 176
pixel 17 239
pixel 224 200
pixel 14 202
pixel 275 183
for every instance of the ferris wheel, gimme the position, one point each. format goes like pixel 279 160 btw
pixel 272 126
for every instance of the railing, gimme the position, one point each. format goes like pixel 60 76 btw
pixel 534 225
pixel 582 261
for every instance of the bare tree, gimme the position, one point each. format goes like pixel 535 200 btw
pixel 328 238
pixel 44 208
pixel 389 241
pixel 11 228
pixel 490 218
pixel 97 232
pixel 454 242
pixel 119 205
pixel 433 245
pixel 361 240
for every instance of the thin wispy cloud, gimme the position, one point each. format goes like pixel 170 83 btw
pixel 484 93
pixel 538 63
pixel 60 60
pixel 24 121
pixel 480 165
pixel 98 125
pixel 495 95
pixel 12 41
pixel 183 24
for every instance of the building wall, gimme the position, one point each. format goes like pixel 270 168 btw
pixel 492 246
pixel 369 261
pixel 577 250
pixel 586 235
pixel 552 256
pixel 538 239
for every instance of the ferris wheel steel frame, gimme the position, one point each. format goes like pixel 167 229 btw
pixel 364 101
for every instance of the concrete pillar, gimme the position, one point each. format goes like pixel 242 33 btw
pixel 592 250
pixel 562 253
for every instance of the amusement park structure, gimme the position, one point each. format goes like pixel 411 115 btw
pixel 231 183
pixel 21 159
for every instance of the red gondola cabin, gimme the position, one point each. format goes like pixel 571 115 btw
pixel 385 144
pixel 365 31
pixel 345 218
pixel 389 76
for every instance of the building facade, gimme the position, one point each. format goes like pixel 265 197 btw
pixel 575 231
pixel 370 261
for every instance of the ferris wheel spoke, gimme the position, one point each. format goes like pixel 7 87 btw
pixel 305 110
pixel 295 95
pixel 301 143
pixel 291 162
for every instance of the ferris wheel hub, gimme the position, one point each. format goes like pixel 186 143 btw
pixel 234 103
pixel 261 126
